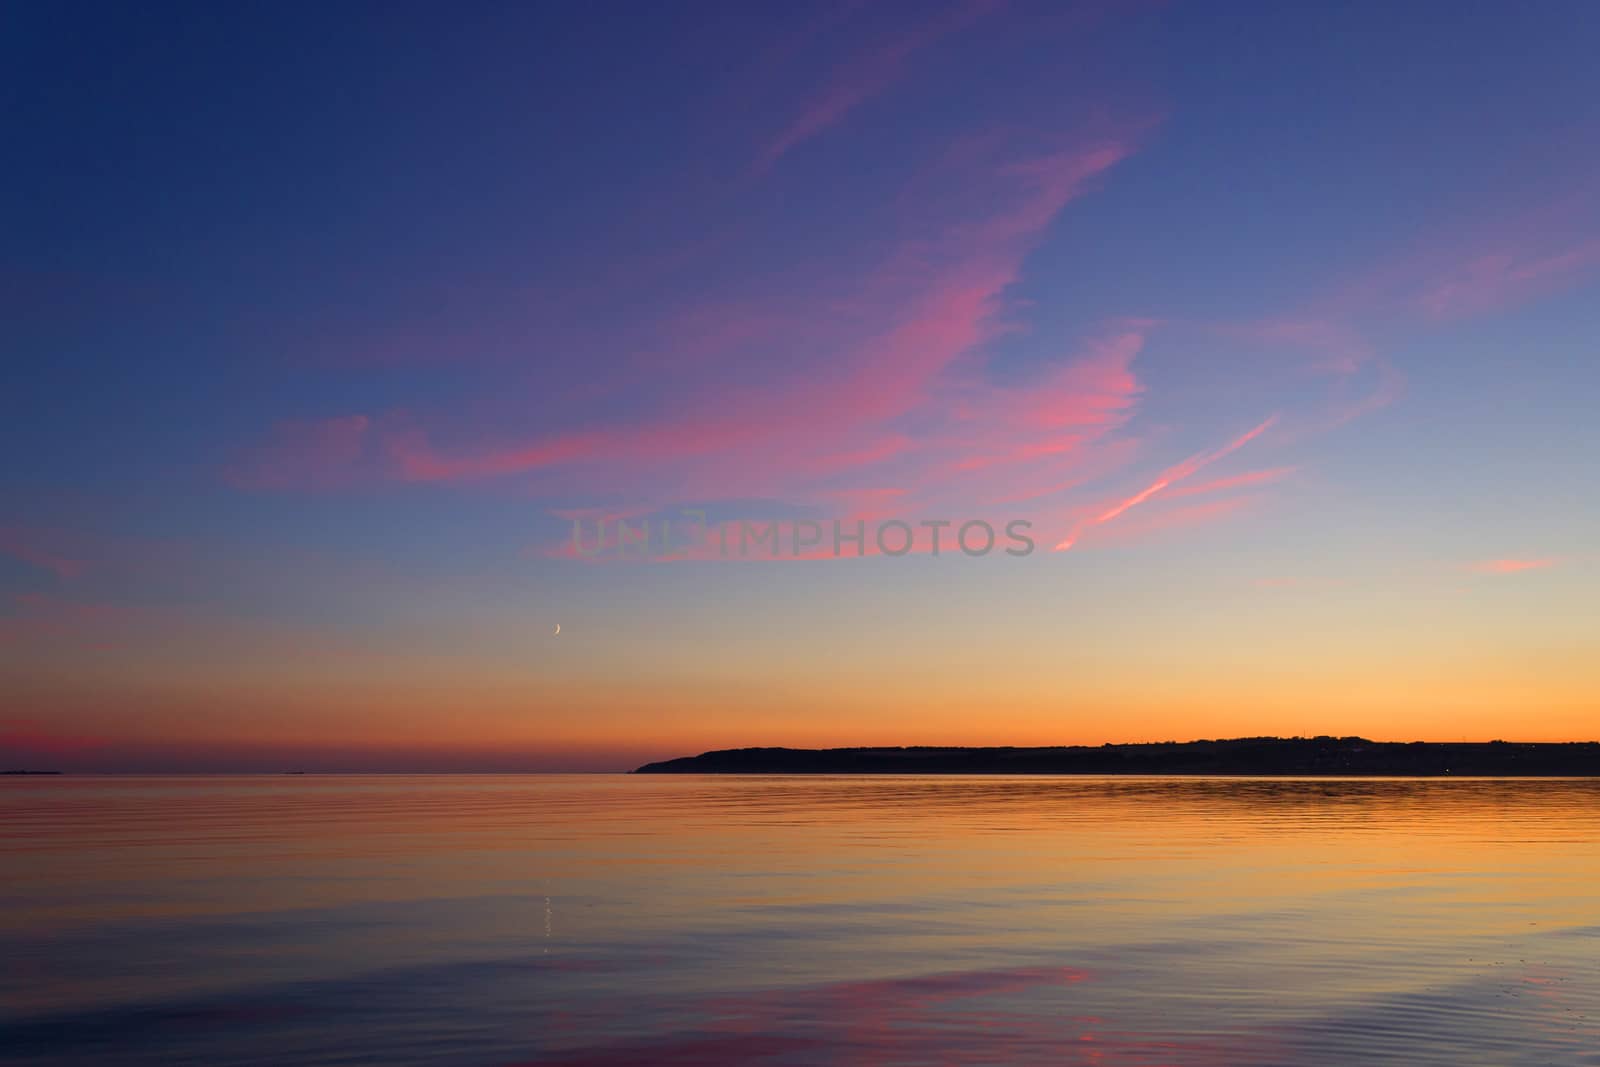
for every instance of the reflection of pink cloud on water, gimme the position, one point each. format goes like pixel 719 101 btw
pixel 952 1017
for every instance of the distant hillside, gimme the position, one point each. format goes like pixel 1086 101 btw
pixel 1249 755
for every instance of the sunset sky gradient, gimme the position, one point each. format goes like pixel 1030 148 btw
pixel 322 326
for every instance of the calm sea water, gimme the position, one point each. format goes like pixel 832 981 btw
pixel 688 920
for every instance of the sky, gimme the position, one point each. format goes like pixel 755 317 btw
pixel 334 339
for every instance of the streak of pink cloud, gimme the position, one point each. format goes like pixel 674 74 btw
pixel 1504 254
pixel 417 461
pixel 1133 501
pixel 1494 280
pixel 1096 390
pixel 1364 380
pixel 34 548
pixel 1195 463
pixel 1340 347
pixel 1510 566
pixel 1153 523
pixel 936 300
pixel 26 737
pixel 1247 480
pixel 1094 462
pixel 1093 393
pixel 1036 438
pixel 865 77
pixel 1171 477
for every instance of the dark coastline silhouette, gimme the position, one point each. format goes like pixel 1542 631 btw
pixel 1247 755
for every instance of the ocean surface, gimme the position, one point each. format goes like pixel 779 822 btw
pixel 701 920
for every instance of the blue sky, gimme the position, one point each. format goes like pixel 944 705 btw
pixel 320 326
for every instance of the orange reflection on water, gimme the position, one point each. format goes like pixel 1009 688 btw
pixel 590 919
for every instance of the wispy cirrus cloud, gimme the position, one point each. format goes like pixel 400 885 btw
pixel 1169 478
pixel 1172 518
pixel 42 549
pixel 870 371
pixel 883 397
pixel 1495 254
pixel 1247 480
pixel 893 401
pixel 869 73
pixel 1497 279
pixel 1509 254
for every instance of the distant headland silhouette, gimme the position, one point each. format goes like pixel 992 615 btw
pixel 1244 755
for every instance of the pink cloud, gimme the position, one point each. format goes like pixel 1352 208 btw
pixel 1247 480
pixel 1169 478
pixel 417 460
pixel 1004 444
pixel 1492 280
pixel 1097 390
pixel 1501 255
pixel 40 549
pixel 23 739
pixel 1340 347
pixel 1170 519
pixel 1329 344
pixel 890 391
pixel 895 347
pixel 1510 566
pixel 1504 256
pixel 859 80
pixel 1090 461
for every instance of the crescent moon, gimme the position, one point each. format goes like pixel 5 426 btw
pixel 558 629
